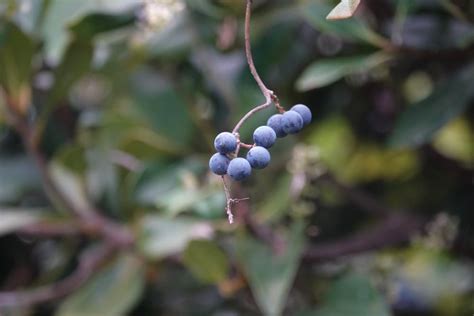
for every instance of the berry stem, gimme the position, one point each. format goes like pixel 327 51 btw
pixel 269 95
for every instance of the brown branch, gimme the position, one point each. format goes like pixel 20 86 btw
pixel 89 263
pixel 392 231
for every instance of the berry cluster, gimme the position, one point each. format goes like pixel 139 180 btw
pixel 258 157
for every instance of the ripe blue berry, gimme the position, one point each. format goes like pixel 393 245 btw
pixel 258 157
pixel 239 169
pixel 264 136
pixel 304 111
pixel 275 122
pixel 225 143
pixel 292 122
pixel 219 164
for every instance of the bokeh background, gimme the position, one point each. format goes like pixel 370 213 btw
pixel 108 111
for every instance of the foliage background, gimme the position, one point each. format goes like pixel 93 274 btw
pixel 368 212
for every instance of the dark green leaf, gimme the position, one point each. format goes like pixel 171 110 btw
pixel 271 274
pixel 16 54
pixel 419 122
pixel 75 63
pixel 206 261
pixel 111 292
pixel 97 23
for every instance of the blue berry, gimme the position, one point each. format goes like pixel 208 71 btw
pixel 239 169
pixel 264 136
pixel 225 143
pixel 219 164
pixel 304 111
pixel 292 122
pixel 275 122
pixel 258 157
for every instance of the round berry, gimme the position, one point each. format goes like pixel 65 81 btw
pixel 219 164
pixel 258 157
pixel 304 111
pixel 292 122
pixel 264 136
pixel 275 122
pixel 239 169
pixel 225 143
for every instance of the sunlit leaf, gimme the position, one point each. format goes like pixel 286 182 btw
pixel 345 9
pixel 13 219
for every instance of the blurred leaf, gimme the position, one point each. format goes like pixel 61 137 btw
pixel 345 9
pixel 62 13
pixel 13 219
pixel 353 29
pixel 271 274
pixel 18 176
pixel 206 7
pixel 326 71
pixel 160 237
pixel 206 261
pixel 418 123
pixel 16 54
pixel 96 23
pixel 113 291
pixel 454 139
pixel 352 295
pixel 71 184
pixel 75 63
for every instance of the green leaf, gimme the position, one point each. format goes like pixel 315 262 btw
pixel 352 30
pixel 327 71
pixel 419 122
pixel 18 176
pixel 16 54
pixel 113 291
pixel 75 63
pixel 271 274
pixel 352 295
pixel 345 9
pixel 206 261
pixel 160 237
pixel 13 219
pixel 96 23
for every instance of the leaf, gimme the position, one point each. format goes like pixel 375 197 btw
pixel 113 291
pixel 18 176
pixel 160 237
pixel 352 295
pixel 16 55
pixel 419 122
pixel 270 275
pixel 345 9
pixel 327 71
pixel 12 219
pixel 352 30
pixel 75 63
pixel 96 23
pixel 206 261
